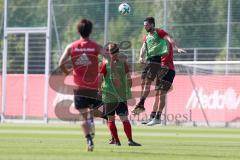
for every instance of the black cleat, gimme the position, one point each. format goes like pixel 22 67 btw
pixel 117 143
pixel 132 143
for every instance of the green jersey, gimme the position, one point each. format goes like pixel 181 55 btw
pixel 155 45
pixel 113 93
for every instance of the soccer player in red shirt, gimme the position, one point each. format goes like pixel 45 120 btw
pixel 83 54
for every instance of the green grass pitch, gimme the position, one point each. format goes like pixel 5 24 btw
pixel 66 142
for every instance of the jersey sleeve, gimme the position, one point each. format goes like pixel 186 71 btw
pixel 162 33
pixel 103 69
pixel 144 38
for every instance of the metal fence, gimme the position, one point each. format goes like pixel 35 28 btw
pixel 207 29
pixel 35 34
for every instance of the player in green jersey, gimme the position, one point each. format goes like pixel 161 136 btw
pixel 116 90
pixel 153 48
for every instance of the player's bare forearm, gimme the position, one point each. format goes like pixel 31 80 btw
pixel 65 70
pixel 142 54
pixel 170 40
pixel 63 60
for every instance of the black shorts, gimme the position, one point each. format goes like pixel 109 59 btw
pixel 86 98
pixel 153 66
pixel 120 108
pixel 164 83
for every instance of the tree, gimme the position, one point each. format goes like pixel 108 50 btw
pixel 194 23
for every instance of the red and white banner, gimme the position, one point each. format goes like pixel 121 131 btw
pixel 215 96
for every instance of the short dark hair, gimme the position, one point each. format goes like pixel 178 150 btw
pixel 150 20
pixel 84 27
pixel 112 47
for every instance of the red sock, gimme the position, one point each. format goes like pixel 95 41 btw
pixel 113 129
pixel 127 129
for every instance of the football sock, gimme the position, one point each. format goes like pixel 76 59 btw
pixel 152 115
pixel 88 136
pixel 158 115
pixel 113 129
pixel 127 129
pixel 142 101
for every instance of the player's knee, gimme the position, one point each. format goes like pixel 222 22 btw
pixel 123 118
pixel 84 123
pixel 111 118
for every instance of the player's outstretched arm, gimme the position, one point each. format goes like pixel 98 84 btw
pixel 170 40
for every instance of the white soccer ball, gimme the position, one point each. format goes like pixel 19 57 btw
pixel 124 9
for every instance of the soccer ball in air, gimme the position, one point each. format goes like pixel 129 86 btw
pixel 124 9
